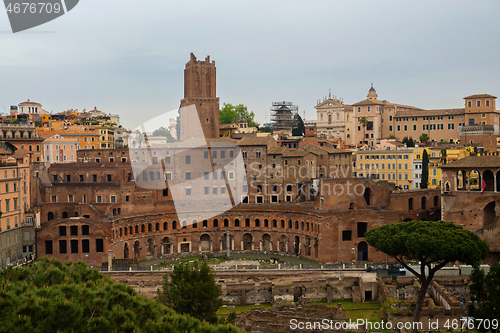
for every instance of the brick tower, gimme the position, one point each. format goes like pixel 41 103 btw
pixel 199 90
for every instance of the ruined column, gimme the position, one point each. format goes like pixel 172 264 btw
pixel 110 260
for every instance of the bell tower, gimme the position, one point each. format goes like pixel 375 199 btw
pixel 199 90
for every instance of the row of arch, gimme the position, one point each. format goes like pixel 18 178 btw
pixel 245 241
pixel 475 180
pixel 423 203
pixel 131 230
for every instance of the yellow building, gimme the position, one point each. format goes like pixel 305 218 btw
pixel 437 157
pixel 107 135
pixel 395 166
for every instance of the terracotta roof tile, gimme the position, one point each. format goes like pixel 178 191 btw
pixel 480 96
pixel 474 162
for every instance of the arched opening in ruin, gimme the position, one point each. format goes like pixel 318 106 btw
pixel 316 248
pixel 352 206
pixel 137 250
pixel 121 232
pixel 150 247
pixel 50 216
pixel 296 245
pixel 114 211
pixel 474 180
pixel 461 180
pixel 224 242
pixel 307 246
pixel 282 244
pixel 247 241
pixel 367 195
pixel 165 225
pixel 489 181
pixel 447 187
pixel 165 245
pixel 266 243
pixel 362 251
pixel 143 228
pixel 174 225
pixel 436 201
pixel 157 226
pixel 125 251
pixel 205 242
pixel 498 181
pixel 489 214
pixel 423 203
pixel 410 204
pixel 76 214
pixel 150 227
pixel 65 215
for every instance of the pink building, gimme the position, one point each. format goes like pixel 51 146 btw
pixel 58 149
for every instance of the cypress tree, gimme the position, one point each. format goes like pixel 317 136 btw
pixel 425 170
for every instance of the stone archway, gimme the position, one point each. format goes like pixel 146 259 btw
pixel 125 251
pixel 247 241
pixel 368 196
pixel 489 181
pixel 362 251
pixel 137 250
pixel 165 245
pixel 205 242
pixel 150 243
pixel 282 245
pixel 489 214
pixel 307 246
pixel 267 245
pixel 296 245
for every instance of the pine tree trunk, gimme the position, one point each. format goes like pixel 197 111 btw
pixel 420 302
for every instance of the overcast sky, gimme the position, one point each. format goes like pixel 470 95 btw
pixel 128 57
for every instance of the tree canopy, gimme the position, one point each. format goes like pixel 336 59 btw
pixel 408 141
pixel 300 128
pixel 424 137
pixel 192 290
pixel 230 114
pixel 162 131
pixel 433 243
pixel 53 297
pixel 485 289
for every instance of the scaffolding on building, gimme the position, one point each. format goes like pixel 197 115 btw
pixel 283 115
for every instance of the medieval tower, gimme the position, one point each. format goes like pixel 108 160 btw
pixel 199 90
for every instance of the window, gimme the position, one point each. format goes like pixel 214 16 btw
pixel 188 191
pixel 362 228
pixel 390 128
pixel 188 175
pixel 188 159
pixel 108 178
pixel 346 235
pixel 73 230
pixel 112 199
pixel 488 103
pixel 206 190
pixel 94 178
pixel 71 198
pixel 214 153
pixel 167 160
pixel 451 126
pixel 99 199
pixel 399 128
pixel 85 230
pixel 257 154
pixel 406 127
pixel 414 127
pixel 74 246
pixel 205 154
pixel 85 246
pixel 478 103
pixel 63 246
pixel 99 245
pixel 222 154
pixel 48 247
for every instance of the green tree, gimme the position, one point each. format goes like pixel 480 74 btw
pixel 408 141
pixel 485 289
pixel 300 128
pixel 53 297
pixel 364 122
pixel 424 138
pixel 265 129
pixel 162 131
pixel 433 243
pixel 231 114
pixel 424 183
pixel 192 290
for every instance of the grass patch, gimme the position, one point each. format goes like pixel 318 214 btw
pixel 225 311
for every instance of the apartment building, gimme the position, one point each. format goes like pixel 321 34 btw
pixel 58 149
pixel 395 166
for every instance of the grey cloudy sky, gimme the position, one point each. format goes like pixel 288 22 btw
pixel 127 57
